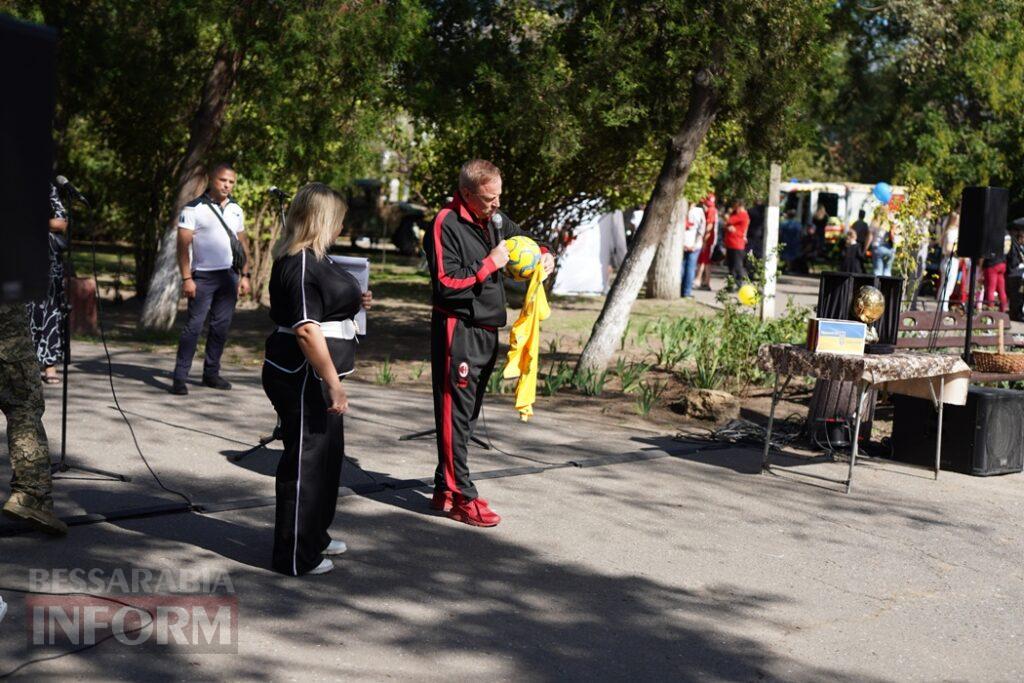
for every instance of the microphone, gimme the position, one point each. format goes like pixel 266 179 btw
pixel 279 193
pixel 65 184
pixel 496 221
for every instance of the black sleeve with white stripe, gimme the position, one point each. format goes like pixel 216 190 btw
pixel 303 302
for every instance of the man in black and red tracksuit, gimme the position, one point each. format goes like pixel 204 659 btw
pixel 466 252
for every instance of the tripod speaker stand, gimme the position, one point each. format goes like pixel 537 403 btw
pixel 429 432
pixel 263 441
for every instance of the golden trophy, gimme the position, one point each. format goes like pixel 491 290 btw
pixel 868 307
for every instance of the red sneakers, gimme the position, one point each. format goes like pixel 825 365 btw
pixel 474 512
pixel 442 500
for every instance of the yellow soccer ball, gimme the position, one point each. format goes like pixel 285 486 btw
pixel 523 257
pixel 747 295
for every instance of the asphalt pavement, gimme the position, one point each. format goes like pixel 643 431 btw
pixel 623 554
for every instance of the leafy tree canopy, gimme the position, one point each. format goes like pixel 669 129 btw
pixel 927 91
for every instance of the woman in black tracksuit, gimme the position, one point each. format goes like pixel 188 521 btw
pixel 313 302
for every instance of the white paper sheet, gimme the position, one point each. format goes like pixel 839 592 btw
pixel 360 268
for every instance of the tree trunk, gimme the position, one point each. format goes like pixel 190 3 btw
pixel 263 235
pixel 679 155
pixel 161 305
pixel 665 279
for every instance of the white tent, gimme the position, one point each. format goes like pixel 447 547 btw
pixel 599 244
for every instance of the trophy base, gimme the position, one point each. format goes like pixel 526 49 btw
pixel 880 349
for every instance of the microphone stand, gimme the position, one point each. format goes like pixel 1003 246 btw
pixel 62 464
pixel 968 355
pixel 431 432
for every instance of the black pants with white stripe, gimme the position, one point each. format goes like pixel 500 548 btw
pixel 309 472
pixel 462 359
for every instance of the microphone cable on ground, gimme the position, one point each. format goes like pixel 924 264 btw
pixel 113 634
pixel 487 435
pixel 784 432
pixel 113 391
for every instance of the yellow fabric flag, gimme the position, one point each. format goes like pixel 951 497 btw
pixel 524 345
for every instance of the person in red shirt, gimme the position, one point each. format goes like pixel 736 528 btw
pixel 710 237
pixel 736 240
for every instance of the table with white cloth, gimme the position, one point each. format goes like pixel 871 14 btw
pixel 938 377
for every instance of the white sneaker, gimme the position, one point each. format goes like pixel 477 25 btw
pixel 335 548
pixel 325 566
pixel 3 609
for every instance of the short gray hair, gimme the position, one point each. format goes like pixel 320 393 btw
pixel 476 172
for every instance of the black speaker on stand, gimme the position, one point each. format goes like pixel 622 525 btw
pixel 28 55
pixel 982 235
pixel 982 221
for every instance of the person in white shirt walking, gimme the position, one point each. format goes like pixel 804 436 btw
pixel 211 279
pixel 693 241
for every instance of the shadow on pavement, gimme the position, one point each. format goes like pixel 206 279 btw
pixel 397 592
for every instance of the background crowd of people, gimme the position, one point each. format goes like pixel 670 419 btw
pixel 709 239
pixel 867 245
pixel 870 247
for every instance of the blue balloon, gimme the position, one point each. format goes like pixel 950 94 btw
pixel 882 192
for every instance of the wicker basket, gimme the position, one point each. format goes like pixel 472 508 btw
pixel 1006 363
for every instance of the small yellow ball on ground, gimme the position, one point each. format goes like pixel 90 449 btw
pixel 747 295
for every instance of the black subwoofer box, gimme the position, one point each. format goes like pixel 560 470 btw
pixel 982 438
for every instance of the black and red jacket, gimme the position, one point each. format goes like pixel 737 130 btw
pixel 465 281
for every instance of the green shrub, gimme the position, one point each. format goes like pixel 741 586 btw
pixel 417 371
pixel 725 346
pixel 557 378
pixel 649 394
pixel 630 374
pixel 385 373
pixel 591 383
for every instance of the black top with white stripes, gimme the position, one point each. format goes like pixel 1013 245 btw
pixel 304 290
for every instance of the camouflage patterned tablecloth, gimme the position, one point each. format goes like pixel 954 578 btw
pixel 787 359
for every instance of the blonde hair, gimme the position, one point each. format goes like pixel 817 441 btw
pixel 315 214
pixel 476 172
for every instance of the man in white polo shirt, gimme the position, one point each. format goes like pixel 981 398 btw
pixel 208 280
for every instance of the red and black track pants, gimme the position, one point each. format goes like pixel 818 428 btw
pixel 462 359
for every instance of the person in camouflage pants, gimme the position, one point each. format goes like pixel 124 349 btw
pixel 21 400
